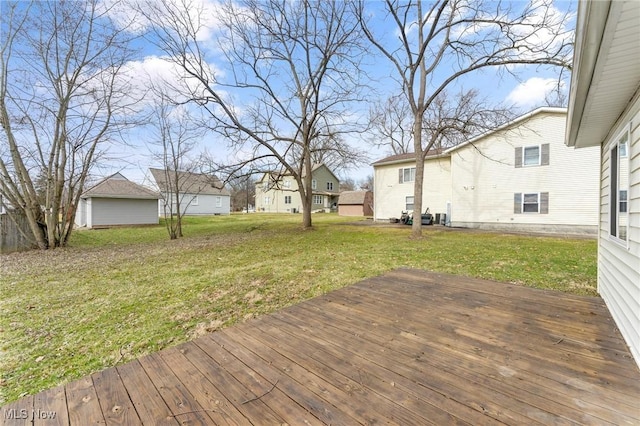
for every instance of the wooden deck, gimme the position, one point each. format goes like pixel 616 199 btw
pixel 408 348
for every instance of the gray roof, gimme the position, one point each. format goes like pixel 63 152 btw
pixel 353 197
pixel 190 183
pixel 117 186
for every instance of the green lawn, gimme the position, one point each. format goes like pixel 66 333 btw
pixel 117 294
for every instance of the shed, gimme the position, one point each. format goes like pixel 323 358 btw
pixel 115 201
pixel 355 203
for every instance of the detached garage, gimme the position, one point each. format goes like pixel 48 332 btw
pixel 355 203
pixel 117 201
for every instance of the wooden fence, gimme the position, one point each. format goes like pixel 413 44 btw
pixel 14 233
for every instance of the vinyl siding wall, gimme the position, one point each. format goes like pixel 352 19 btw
pixel 207 204
pixel 485 180
pixel 619 262
pixel 390 195
pixel 120 211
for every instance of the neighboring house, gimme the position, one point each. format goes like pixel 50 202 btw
pixel 200 194
pixel 117 201
pixel 393 180
pixel 278 193
pixel 355 203
pixel 604 112
pixel 520 176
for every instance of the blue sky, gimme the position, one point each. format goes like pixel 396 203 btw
pixel 524 93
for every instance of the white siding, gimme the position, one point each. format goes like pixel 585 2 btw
pixel 121 211
pixel 619 264
pixel 485 179
pixel 390 195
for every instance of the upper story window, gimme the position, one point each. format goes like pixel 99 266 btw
pixel 619 187
pixel 286 184
pixel 533 155
pixel 329 186
pixel 314 184
pixel 407 174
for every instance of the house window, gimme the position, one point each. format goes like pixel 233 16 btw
pixel 329 186
pixel 267 201
pixel 535 155
pixel 318 199
pixel 287 199
pixel 409 202
pixel 407 174
pixel 286 184
pixel 618 203
pixel 194 200
pixel 314 184
pixel 532 202
pixel 531 156
pixel 218 201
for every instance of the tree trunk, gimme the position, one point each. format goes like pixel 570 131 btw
pixel 416 228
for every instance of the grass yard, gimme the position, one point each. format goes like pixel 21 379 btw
pixel 117 294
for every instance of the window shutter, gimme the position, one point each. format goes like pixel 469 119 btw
pixel 544 155
pixel 544 203
pixel 518 157
pixel 400 176
pixel 517 203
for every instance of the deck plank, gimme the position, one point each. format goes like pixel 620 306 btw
pixel 149 405
pixel 407 347
pixel 83 405
pixel 183 406
pixel 114 399
pixel 50 407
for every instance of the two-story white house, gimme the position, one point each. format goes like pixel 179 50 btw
pixel 520 176
pixel 278 192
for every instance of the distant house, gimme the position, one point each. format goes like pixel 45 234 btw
pixel 355 203
pixel 200 194
pixel 520 176
pixel 604 112
pixel 279 193
pixel 117 201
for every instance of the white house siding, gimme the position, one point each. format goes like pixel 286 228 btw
pixel 619 263
pixel 208 204
pixel 485 180
pixel 121 211
pixel 390 195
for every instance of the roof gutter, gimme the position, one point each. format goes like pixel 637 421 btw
pixel 592 20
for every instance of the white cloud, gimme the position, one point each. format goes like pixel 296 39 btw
pixel 532 93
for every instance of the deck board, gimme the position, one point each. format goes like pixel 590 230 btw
pixel 408 347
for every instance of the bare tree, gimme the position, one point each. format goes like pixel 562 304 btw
pixel 391 125
pixel 61 102
pixel 439 44
pixel 295 65
pixel 177 136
